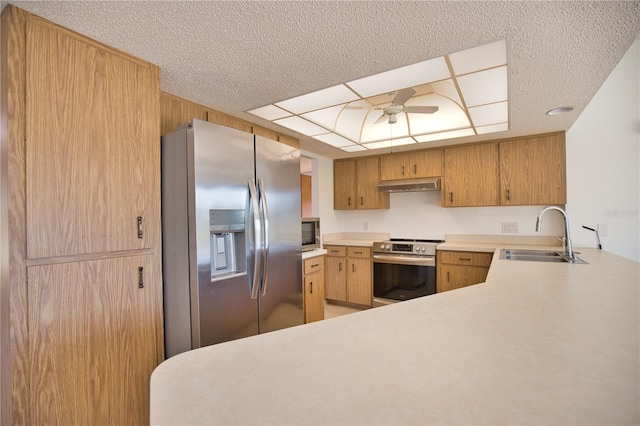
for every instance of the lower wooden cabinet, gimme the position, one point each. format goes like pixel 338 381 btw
pixel 349 274
pixel 313 270
pixel 95 336
pixel 457 269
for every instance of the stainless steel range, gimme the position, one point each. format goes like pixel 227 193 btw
pixel 403 269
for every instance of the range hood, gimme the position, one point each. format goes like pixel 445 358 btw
pixel 410 185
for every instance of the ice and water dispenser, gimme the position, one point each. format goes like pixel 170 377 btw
pixel 228 249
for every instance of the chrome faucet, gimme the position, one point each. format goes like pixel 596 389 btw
pixel 568 249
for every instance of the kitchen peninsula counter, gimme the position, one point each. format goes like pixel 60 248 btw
pixel 538 343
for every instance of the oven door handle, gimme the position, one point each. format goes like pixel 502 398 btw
pixel 404 260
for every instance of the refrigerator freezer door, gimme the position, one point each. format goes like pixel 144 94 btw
pixel 222 309
pixel 278 168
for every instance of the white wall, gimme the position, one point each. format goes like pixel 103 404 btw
pixel 603 161
pixel 602 183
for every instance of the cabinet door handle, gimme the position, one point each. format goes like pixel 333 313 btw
pixel 339 266
pixel 361 200
pixel 402 170
pixel 315 265
pixel 415 169
pixel 451 197
pixel 358 252
pixel 508 195
pixel 447 276
pixel 139 226
pixel 311 287
pixel 349 201
pixel 465 258
pixel 353 267
pixel 141 277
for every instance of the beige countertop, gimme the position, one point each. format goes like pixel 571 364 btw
pixel 538 343
pixel 362 239
pixel 313 253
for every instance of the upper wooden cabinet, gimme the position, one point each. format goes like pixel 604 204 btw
pixel 355 185
pixel 471 176
pixel 533 170
pixel 411 165
pixel 92 152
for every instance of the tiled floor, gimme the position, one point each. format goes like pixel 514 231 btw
pixel 332 310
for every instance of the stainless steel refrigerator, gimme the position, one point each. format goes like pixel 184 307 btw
pixel 232 263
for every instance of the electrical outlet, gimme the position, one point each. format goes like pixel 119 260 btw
pixel 509 227
pixel 602 229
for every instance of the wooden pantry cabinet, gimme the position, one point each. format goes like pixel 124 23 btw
pixel 83 130
pixel 533 170
pixel 355 185
pixel 349 274
pixel 457 269
pixel 313 281
pixel 411 165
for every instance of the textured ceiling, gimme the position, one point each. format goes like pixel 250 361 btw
pixel 236 56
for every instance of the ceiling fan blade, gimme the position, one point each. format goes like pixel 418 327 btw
pixel 421 109
pixel 403 95
pixel 382 118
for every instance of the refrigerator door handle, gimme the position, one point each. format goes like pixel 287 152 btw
pixel 257 236
pixel 265 230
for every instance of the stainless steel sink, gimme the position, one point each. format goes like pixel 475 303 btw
pixel 538 256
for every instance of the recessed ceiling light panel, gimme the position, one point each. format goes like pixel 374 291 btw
pixel 484 87
pixel 390 143
pixel 479 58
pixel 411 75
pixel 334 140
pixel 270 112
pixel 370 112
pixel 493 128
pixel 301 125
pixel 490 114
pixel 445 135
pixel 320 99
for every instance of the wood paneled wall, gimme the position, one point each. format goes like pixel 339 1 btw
pixel 175 111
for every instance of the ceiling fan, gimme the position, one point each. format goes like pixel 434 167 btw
pixel 397 106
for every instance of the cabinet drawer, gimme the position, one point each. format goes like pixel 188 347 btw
pixel 336 250
pixel 364 252
pixel 313 264
pixel 465 258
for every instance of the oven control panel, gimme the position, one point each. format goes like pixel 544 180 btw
pixel 427 247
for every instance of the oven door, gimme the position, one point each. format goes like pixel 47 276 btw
pixel 397 278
